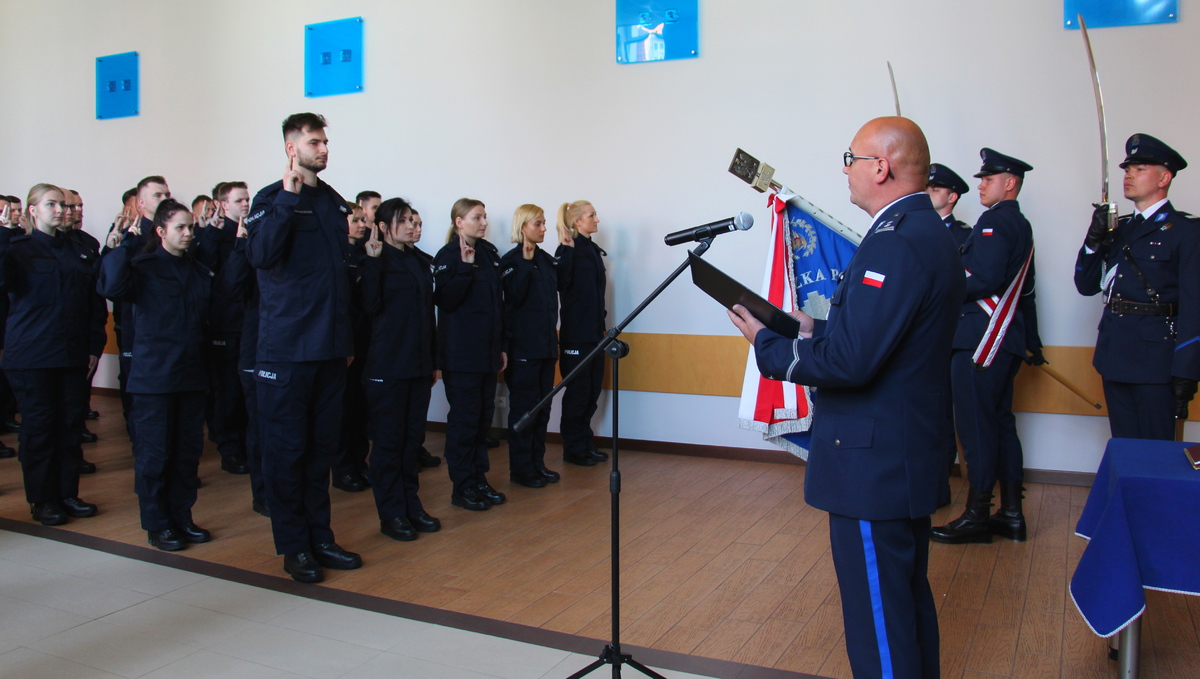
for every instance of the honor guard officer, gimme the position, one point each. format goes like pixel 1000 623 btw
pixel 297 240
pixel 881 363
pixel 998 257
pixel 1148 267
pixel 945 187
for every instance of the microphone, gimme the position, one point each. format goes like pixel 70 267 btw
pixel 741 222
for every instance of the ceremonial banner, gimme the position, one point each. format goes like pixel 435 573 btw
pixel 809 251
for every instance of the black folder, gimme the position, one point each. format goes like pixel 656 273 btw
pixel 728 292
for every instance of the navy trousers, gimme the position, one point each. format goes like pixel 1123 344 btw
pixel 984 419
pixel 399 409
pixel 887 606
pixel 226 408
pixel 528 380
pixel 353 445
pixel 166 455
pixel 258 489
pixel 299 421
pixel 580 399
pixel 51 401
pixel 472 398
pixel 1140 411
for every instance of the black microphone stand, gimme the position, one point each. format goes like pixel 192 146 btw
pixel 616 350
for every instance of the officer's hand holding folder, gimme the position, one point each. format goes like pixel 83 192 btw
pixel 729 292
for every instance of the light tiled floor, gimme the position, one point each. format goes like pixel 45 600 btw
pixel 66 611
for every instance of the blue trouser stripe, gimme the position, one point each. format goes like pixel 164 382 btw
pixel 885 656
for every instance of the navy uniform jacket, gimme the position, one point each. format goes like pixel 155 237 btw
pixel 55 319
pixel 1140 349
pixel 123 311
pixel 213 247
pixel 468 298
pixel 397 291
pixel 170 297
pixel 530 304
pixel 299 244
pixel 581 283
pixel 959 229
pixel 992 256
pixel 238 281
pixel 881 363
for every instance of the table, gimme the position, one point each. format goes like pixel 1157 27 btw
pixel 1142 521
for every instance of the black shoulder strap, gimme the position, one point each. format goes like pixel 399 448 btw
pixel 1141 276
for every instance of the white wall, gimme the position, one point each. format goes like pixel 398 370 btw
pixel 515 102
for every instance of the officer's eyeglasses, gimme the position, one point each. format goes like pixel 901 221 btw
pixel 848 159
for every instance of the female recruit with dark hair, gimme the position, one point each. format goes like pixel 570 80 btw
pixel 53 338
pixel 468 296
pixel 530 280
pixel 581 284
pixel 397 293
pixel 170 292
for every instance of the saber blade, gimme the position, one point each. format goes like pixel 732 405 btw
pixel 895 92
pixel 1087 43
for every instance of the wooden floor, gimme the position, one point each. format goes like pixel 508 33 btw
pixel 721 558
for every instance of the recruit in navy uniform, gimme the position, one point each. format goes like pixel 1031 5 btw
pixel 882 364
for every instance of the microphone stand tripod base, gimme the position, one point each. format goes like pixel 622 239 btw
pixel 609 656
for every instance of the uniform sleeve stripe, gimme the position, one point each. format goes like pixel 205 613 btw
pixel 1184 344
pixel 795 358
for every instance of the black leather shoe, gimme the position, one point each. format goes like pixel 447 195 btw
pixel 78 509
pixel 493 442
pixel 260 507
pixel 329 555
pixel 970 528
pixel 428 459
pixel 11 425
pixel 422 522
pixel 581 459
pixel 471 500
pixel 6 451
pixel 351 483
pixel 303 567
pixel 86 467
pixel 48 513
pixel 92 415
pixel 168 540
pixel 1009 522
pixel 490 494
pixel 398 529
pixel 235 464
pixel 534 480
pixel 195 534
pixel 597 455
pixel 550 475
pixel 88 437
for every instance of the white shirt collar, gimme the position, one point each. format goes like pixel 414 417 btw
pixel 1149 212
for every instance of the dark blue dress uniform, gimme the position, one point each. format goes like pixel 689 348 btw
pixel 881 365
pixel 531 316
pixel 354 444
pixel 225 408
pixel 239 281
pixel 468 298
pixel 581 283
pixel 397 293
pixel 123 327
pixel 55 322
pixel 1149 336
pixel 944 177
pixel 170 299
pixel 298 243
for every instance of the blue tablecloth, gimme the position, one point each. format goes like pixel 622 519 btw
pixel 1143 521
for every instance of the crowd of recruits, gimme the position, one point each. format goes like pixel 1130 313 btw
pixel 283 323
pixel 1148 347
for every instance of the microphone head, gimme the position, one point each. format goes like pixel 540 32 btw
pixel 743 221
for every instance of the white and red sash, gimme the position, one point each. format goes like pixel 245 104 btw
pixel 1001 310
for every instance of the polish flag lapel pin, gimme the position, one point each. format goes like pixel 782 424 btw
pixel 873 279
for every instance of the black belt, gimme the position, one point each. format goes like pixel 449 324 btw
pixel 1124 306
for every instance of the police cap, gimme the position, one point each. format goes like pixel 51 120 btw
pixel 1142 149
pixel 940 175
pixel 995 162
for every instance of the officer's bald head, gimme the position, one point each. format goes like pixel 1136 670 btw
pixel 896 163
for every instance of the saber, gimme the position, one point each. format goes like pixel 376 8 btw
pixel 896 93
pixel 1112 207
pixel 1072 387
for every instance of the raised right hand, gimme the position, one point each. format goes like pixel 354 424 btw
pixel 373 245
pixel 241 230
pixel 6 216
pixel 292 179
pixel 116 235
pixel 466 251
pixel 1098 231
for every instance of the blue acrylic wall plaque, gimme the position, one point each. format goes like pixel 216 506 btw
pixel 333 57
pixel 657 30
pixel 117 86
pixel 1102 13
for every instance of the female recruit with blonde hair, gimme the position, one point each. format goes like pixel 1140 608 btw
pixel 530 279
pixel 468 296
pixel 54 337
pixel 581 285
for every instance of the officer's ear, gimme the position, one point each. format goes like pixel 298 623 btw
pixel 289 147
